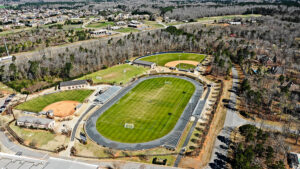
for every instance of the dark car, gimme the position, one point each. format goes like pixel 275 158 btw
pixel 19 153
pixel 2 107
pixel 12 95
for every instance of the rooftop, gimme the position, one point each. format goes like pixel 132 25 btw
pixel 141 62
pixel 72 83
pixel 34 120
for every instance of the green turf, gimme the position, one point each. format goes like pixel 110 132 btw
pixel 115 74
pixel 162 59
pixel 185 66
pixel 100 24
pixel 147 106
pixel 37 104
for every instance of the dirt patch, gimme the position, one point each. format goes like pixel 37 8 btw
pixel 62 108
pixel 176 62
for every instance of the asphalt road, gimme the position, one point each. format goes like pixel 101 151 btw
pixel 78 122
pixel 18 148
pixel 170 140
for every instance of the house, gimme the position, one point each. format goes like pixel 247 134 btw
pixel 100 32
pixel 235 23
pixel 144 63
pixel 76 84
pixel 35 122
pixel 121 23
pixel 293 160
pixel 276 70
pixel 134 24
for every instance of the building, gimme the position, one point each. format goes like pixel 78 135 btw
pixel 35 122
pixel 100 32
pixel 293 160
pixel 134 24
pixel 235 23
pixel 76 84
pixel 144 63
pixel 121 23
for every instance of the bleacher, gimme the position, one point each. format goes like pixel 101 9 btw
pixel 105 96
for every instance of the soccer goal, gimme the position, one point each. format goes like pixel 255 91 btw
pixel 129 125
pixel 168 82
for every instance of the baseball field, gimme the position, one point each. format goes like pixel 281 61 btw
pixel 163 59
pixel 152 109
pixel 37 104
pixel 116 74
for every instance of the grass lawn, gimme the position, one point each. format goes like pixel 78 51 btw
pixel 37 104
pixel 41 137
pixel 127 30
pixel 174 23
pixel 168 57
pixel 4 88
pixel 226 17
pixel 100 24
pixel 153 106
pixel 153 24
pixel 115 74
pixel 185 66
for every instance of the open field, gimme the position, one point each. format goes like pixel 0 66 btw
pixel 153 24
pixel 127 30
pixel 37 104
pixel 41 137
pixel 185 66
pixel 153 106
pixel 226 17
pixel 115 74
pixel 162 59
pixel 5 89
pixel 100 24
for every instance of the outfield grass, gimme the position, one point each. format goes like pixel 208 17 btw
pixel 115 74
pixel 37 104
pixel 153 106
pixel 162 59
pixel 185 66
pixel 100 24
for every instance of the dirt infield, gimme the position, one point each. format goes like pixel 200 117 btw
pixel 176 62
pixel 62 108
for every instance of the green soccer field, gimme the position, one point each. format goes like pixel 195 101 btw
pixel 37 104
pixel 115 74
pixel 162 59
pixel 153 106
